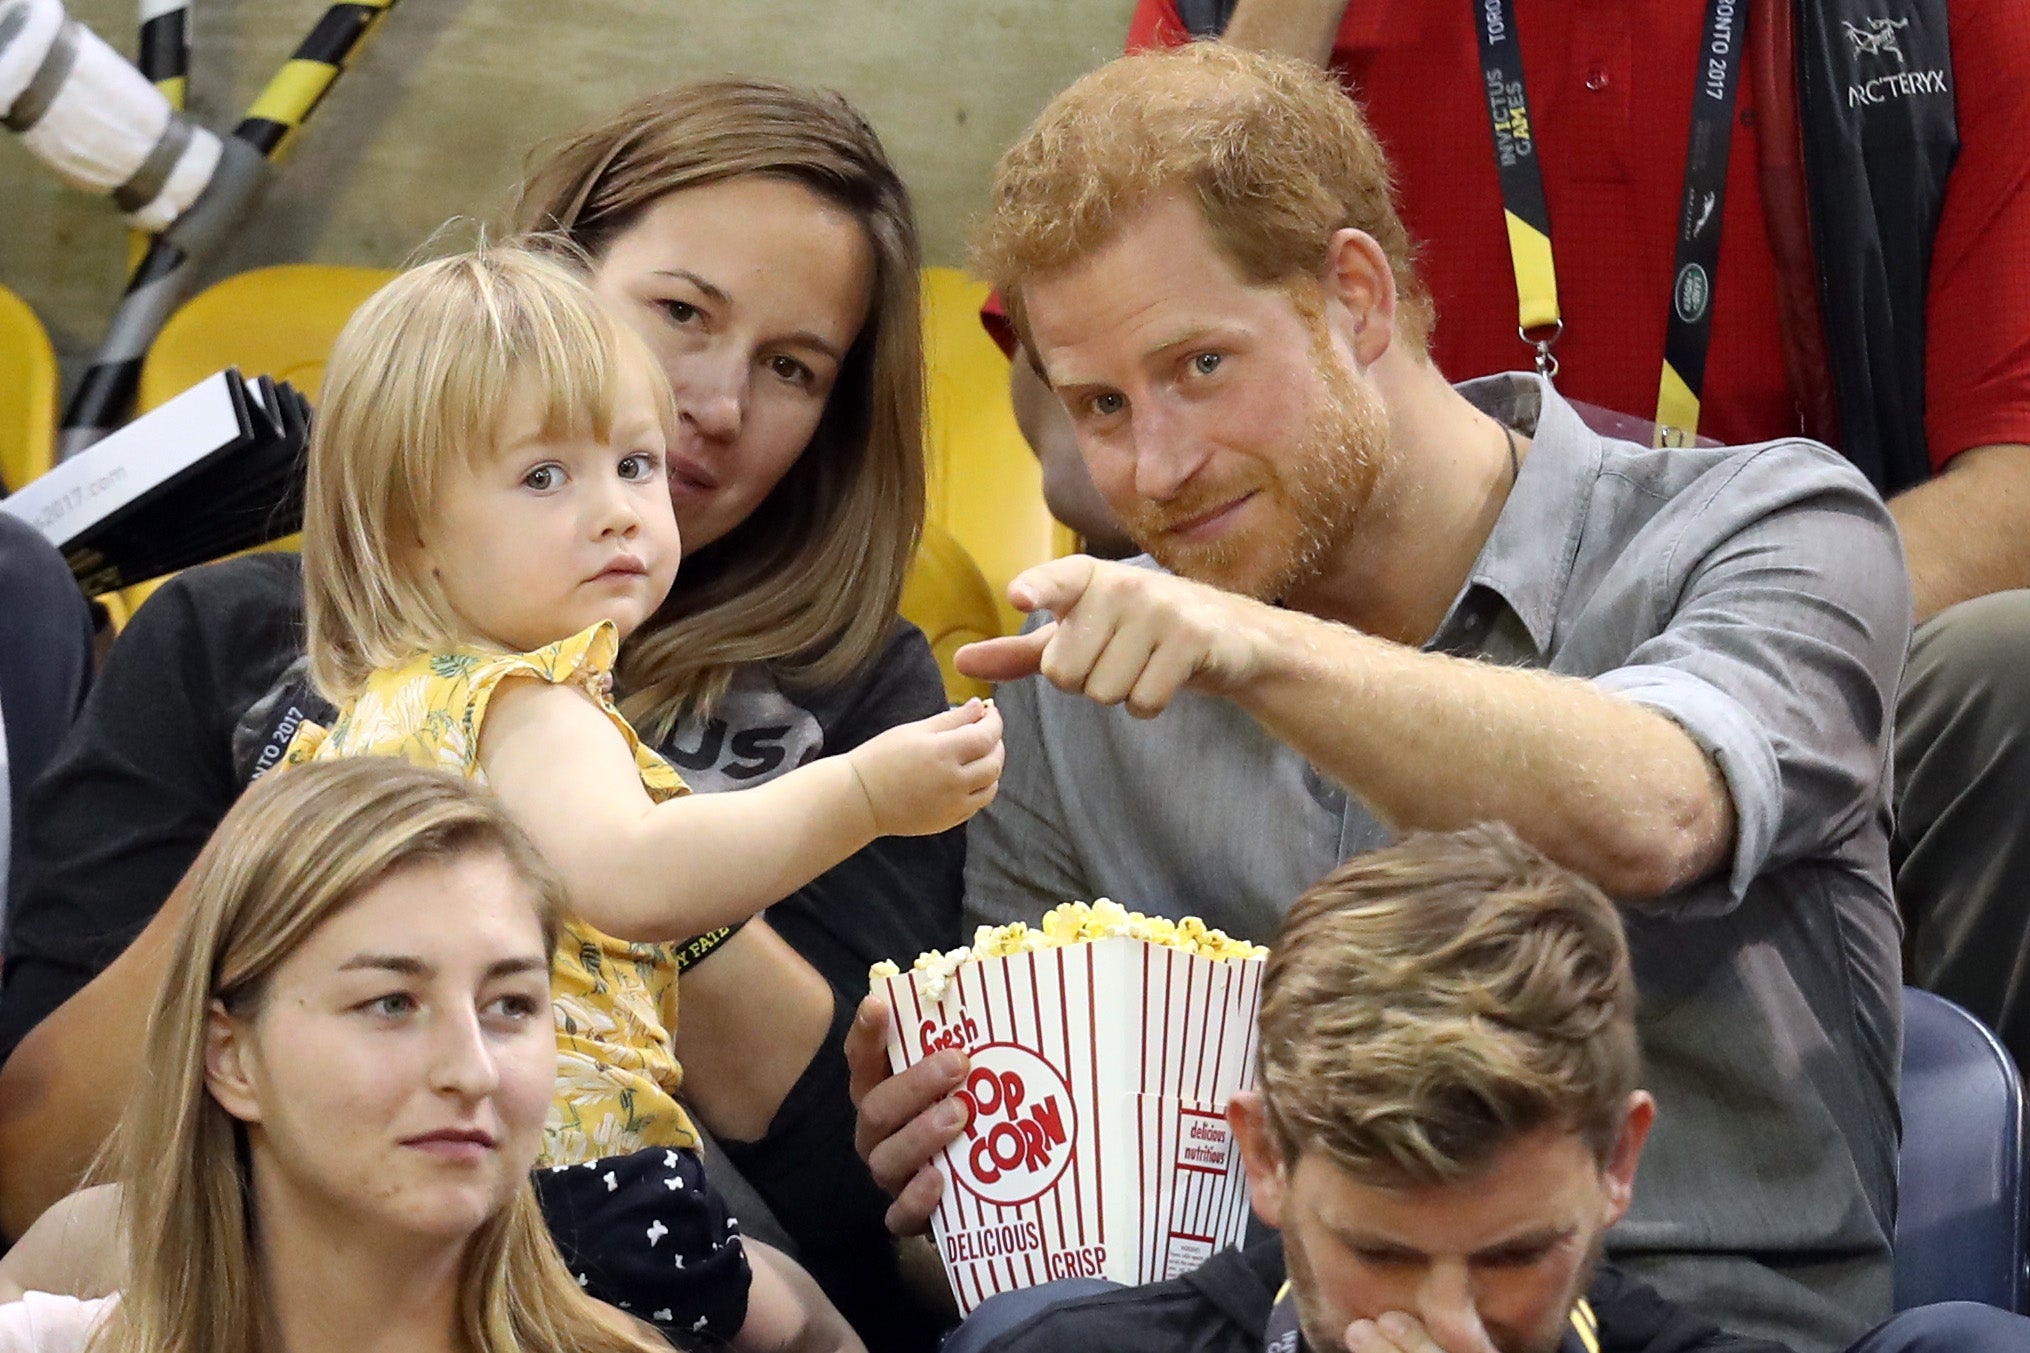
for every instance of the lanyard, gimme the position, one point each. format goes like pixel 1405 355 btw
pixel 1282 1334
pixel 1695 270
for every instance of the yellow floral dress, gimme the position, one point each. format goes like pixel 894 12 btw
pixel 616 1001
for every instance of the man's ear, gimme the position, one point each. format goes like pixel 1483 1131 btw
pixel 229 1070
pixel 1260 1155
pixel 1358 277
pixel 1619 1172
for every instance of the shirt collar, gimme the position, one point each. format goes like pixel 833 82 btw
pixel 1528 557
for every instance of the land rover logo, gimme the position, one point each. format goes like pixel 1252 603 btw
pixel 1693 293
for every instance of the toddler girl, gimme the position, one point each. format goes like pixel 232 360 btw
pixel 488 517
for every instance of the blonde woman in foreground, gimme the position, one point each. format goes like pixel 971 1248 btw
pixel 353 1058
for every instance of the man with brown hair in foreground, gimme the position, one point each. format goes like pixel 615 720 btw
pixel 1447 1121
pixel 1376 602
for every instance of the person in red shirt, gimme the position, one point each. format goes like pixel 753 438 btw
pixel 1611 89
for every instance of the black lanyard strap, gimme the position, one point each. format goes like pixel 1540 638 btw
pixel 1524 211
pixel 1695 273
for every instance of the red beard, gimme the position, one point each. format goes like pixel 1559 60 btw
pixel 1310 495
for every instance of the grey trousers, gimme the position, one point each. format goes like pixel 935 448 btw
pixel 1962 844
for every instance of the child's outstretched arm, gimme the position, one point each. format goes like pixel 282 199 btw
pixel 640 870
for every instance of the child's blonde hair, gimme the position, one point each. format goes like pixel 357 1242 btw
pixel 416 387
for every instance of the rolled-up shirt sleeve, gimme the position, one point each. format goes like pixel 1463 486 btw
pixel 1786 614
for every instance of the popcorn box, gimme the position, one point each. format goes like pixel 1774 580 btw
pixel 1096 1143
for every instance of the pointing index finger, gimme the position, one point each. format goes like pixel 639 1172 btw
pixel 1055 587
pixel 1009 658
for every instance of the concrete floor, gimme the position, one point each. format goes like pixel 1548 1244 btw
pixel 437 113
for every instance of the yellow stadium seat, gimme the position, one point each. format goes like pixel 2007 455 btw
pixel 278 322
pixel 28 394
pixel 947 598
pixel 985 487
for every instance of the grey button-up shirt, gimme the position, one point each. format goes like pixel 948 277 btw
pixel 1757 597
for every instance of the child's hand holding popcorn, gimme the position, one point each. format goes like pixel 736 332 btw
pixel 931 775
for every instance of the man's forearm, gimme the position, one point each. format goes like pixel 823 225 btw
pixel 1603 785
pixel 1964 531
pixel 1600 783
pixel 1299 28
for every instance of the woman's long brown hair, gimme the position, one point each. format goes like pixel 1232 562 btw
pixel 809 583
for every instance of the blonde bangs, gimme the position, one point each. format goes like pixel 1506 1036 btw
pixel 421 382
pixel 539 333
pixel 580 385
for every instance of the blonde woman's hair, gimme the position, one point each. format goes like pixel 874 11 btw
pixel 417 386
pixel 1426 1004
pixel 299 847
pixel 1272 149
pixel 810 582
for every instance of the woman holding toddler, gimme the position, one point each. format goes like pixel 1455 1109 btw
pixel 756 239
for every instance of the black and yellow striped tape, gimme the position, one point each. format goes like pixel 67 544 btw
pixel 165 54
pixel 304 79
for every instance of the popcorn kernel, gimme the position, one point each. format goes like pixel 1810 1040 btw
pixel 1071 923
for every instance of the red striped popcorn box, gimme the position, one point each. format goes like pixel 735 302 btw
pixel 1096 1143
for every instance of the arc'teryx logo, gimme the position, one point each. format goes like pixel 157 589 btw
pixel 1877 38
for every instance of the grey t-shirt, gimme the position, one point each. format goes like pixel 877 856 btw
pixel 1757 597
